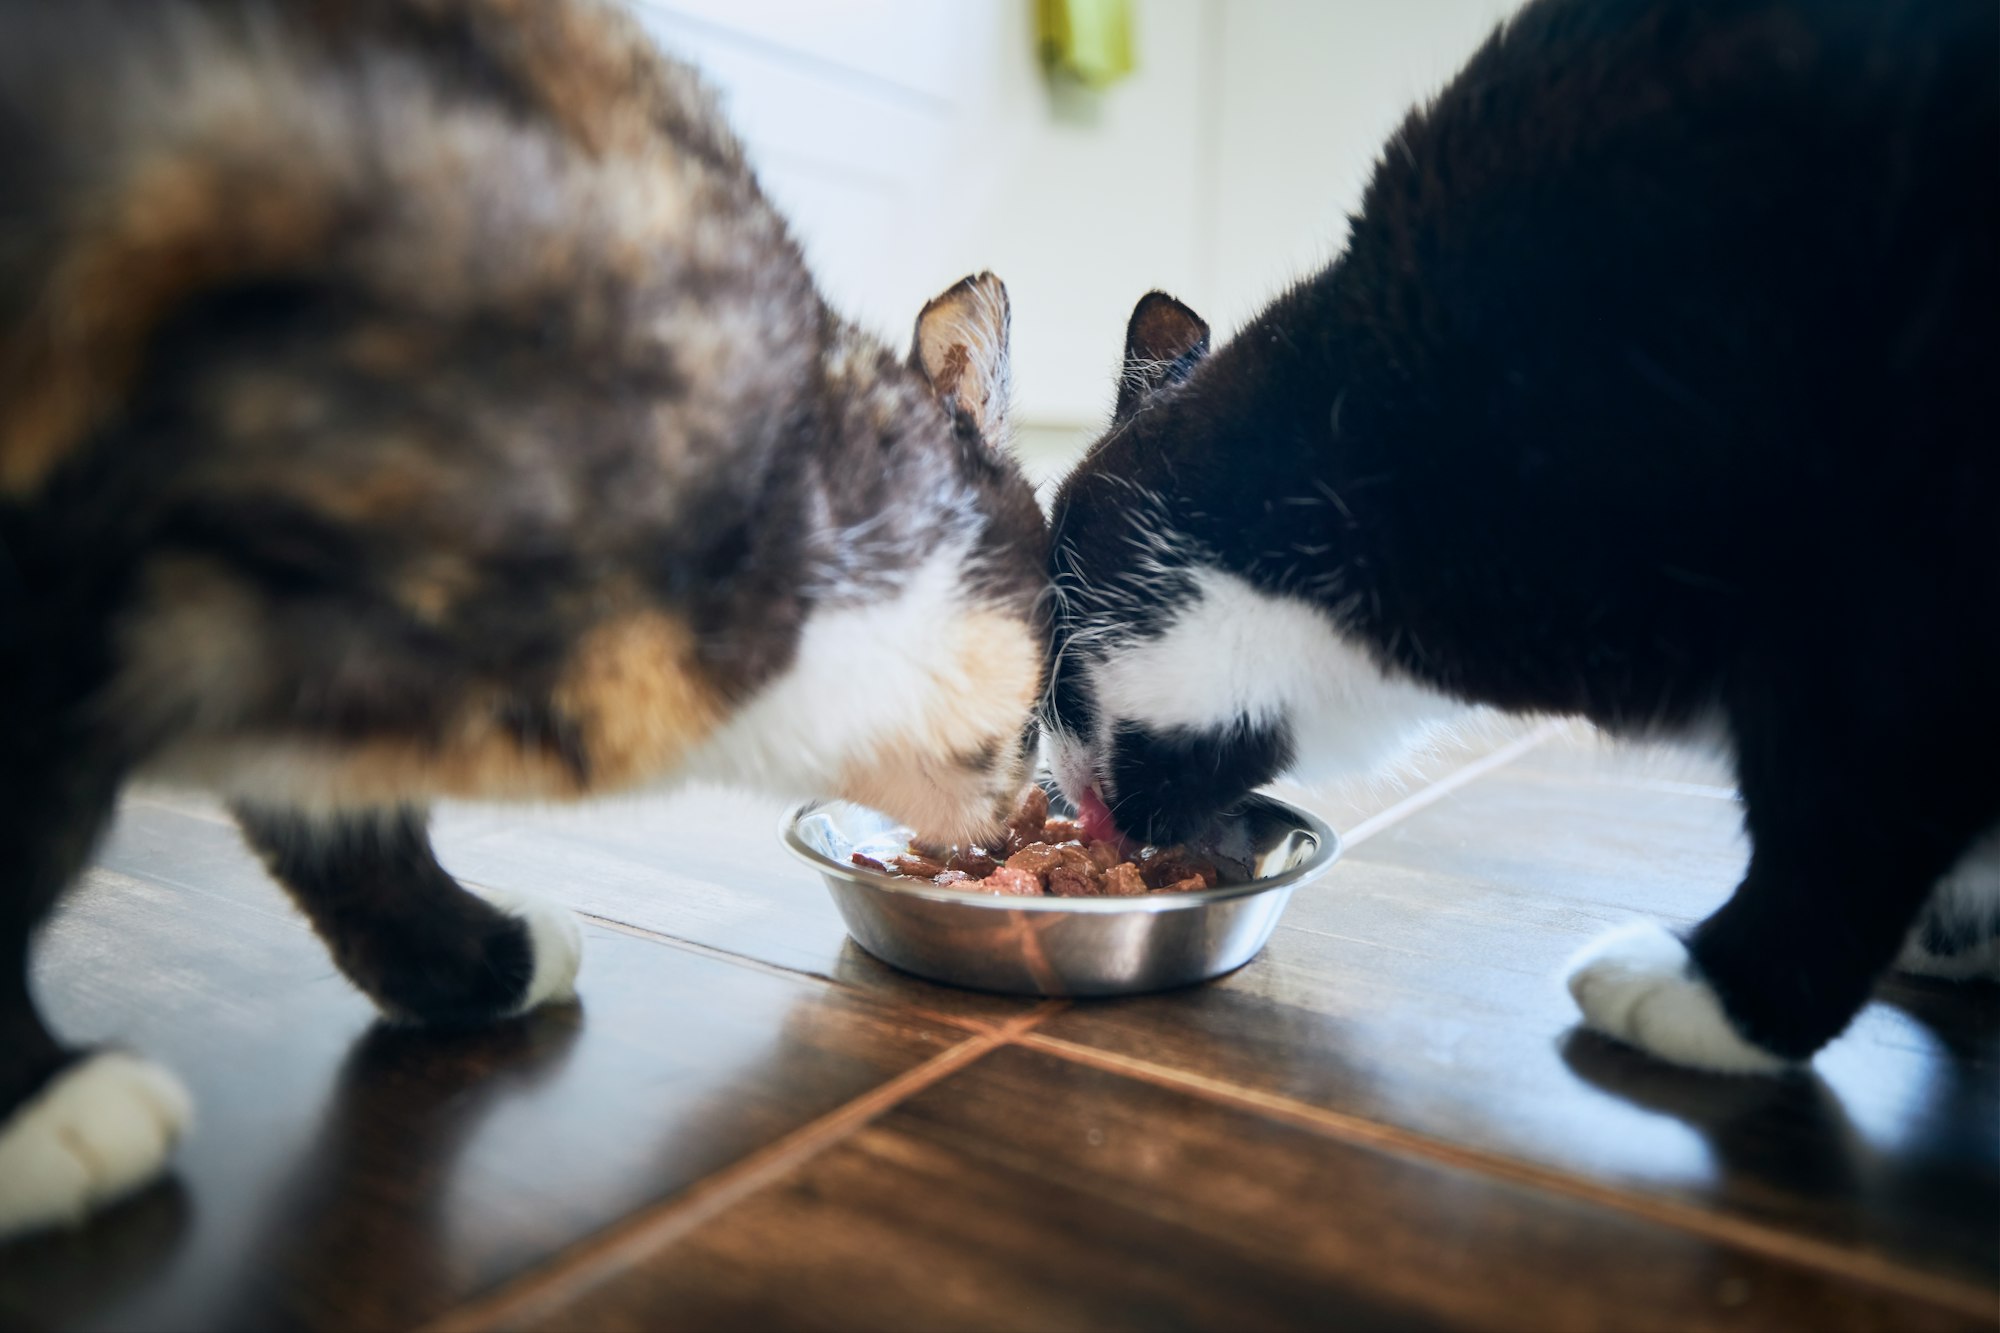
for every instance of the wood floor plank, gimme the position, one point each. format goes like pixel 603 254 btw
pixel 1029 1192
pixel 345 1174
pixel 1417 987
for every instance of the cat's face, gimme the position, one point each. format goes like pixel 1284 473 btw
pixel 914 678
pixel 1183 671
pixel 1139 710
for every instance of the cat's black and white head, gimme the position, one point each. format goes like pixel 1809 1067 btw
pixel 1199 647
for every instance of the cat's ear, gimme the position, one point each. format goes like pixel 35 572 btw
pixel 961 348
pixel 1163 343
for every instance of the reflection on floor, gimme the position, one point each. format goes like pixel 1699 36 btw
pixel 1386 1119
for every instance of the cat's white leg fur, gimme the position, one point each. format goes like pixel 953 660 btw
pixel 1638 984
pixel 101 1130
pixel 1967 898
pixel 555 938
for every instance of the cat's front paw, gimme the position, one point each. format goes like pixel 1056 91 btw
pixel 1639 985
pixel 555 940
pixel 99 1131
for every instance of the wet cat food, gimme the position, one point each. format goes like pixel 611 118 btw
pixel 1039 856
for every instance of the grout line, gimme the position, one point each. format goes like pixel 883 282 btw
pixel 1016 1028
pixel 1366 944
pixel 964 1022
pixel 587 1264
pixel 140 796
pixel 1446 785
pixel 1672 786
pixel 688 946
pixel 1824 1256
pixel 282 913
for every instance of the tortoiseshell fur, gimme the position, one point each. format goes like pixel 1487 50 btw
pixel 420 398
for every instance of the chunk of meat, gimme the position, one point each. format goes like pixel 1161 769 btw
pixel 1123 881
pixel 1069 882
pixel 917 867
pixel 1192 884
pixel 1008 881
pixel 1026 825
pixel 1105 855
pixel 973 861
pixel 949 878
pixel 1169 865
pixel 870 863
pixel 1039 858
pixel 1062 830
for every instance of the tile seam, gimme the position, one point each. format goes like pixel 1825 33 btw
pixel 591 1260
pixel 1821 1256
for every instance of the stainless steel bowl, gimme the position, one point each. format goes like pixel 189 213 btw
pixel 1063 946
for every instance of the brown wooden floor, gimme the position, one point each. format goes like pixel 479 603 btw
pixel 1387 1119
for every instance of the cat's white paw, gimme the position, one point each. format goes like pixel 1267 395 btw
pixel 103 1128
pixel 557 941
pixel 1639 985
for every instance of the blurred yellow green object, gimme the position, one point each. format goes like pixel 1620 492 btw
pixel 1090 40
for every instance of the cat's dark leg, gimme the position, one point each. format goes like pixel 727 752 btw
pixel 1851 827
pixel 78 1129
pixel 423 948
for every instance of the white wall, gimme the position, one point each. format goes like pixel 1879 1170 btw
pixel 1310 92
pixel 913 141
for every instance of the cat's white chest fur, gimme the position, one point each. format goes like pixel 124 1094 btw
pixel 1234 652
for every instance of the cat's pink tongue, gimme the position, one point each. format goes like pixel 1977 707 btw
pixel 1095 817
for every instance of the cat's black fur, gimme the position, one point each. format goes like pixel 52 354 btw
pixel 1658 383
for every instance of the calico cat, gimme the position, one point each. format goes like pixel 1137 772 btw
pixel 1656 384
pixel 403 399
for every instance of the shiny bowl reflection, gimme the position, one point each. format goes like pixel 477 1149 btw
pixel 1063 946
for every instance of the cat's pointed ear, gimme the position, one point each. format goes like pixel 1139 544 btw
pixel 961 348
pixel 1163 343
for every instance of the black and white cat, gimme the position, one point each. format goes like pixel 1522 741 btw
pixel 404 399
pixel 1659 383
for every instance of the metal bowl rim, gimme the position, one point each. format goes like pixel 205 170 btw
pixel 1328 852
